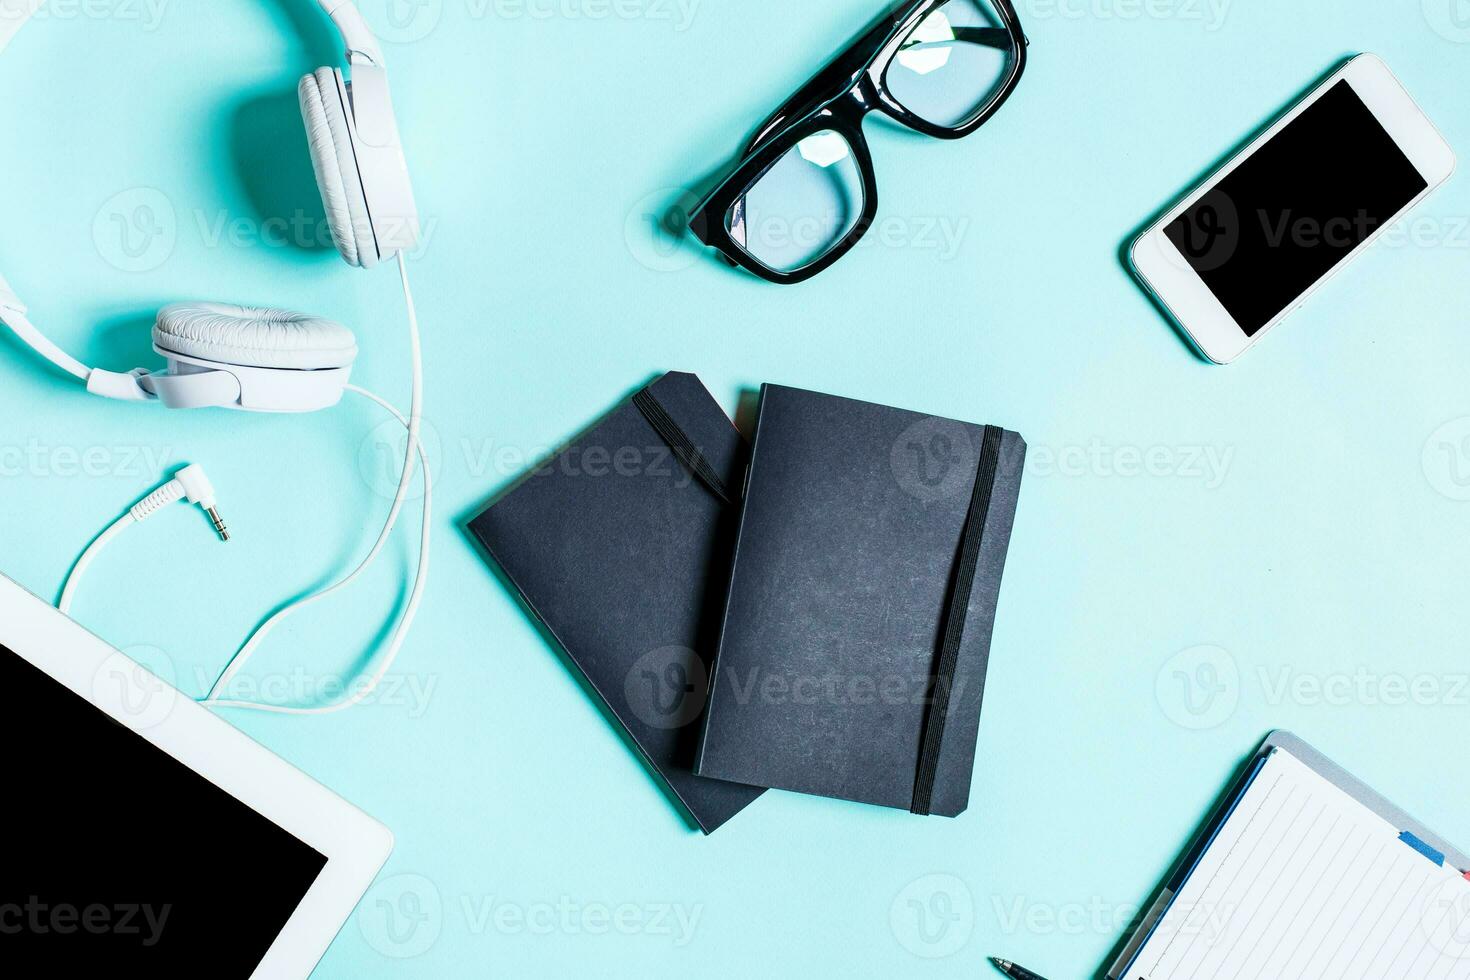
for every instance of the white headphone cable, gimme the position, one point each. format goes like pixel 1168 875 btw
pixel 191 483
pixel 412 452
pixel 74 578
pixel 400 632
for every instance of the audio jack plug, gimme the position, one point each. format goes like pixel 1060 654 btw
pixel 198 490
pixel 219 524
pixel 189 483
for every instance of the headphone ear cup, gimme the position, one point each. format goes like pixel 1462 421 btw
pixel 251 336
pixel 333 159
pixel 246 357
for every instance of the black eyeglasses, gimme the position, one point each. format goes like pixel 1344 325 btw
pixel 804 191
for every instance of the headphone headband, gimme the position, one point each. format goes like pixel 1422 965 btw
pixel 354 30
pixel 13 314
pixel 362 50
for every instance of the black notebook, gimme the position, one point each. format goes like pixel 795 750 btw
pixel 863 591
pixel 620 546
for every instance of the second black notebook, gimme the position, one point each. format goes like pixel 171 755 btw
pixel 855 642
pixel 620 545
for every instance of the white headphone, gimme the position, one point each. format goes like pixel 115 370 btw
pixel 266 360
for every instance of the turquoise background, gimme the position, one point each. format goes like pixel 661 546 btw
pixel 1319 559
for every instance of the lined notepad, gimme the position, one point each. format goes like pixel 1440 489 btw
pixel 1303 882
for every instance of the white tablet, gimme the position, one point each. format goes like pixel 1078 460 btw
pixel 143 836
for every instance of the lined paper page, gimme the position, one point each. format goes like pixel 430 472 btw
pixel 1303 882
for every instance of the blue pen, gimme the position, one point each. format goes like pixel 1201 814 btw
pixel 1013 971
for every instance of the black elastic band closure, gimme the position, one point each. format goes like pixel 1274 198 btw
pixel 954 619
pixel 663 423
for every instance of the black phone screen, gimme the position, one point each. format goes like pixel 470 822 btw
pixel 1295 209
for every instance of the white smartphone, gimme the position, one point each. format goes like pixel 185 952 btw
pixel 1247 246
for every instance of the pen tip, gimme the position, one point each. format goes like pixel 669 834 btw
pixel 1000 963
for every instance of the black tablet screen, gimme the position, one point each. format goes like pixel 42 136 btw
pixel 119 860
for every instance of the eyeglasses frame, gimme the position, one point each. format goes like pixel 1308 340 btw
pixel 839 98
